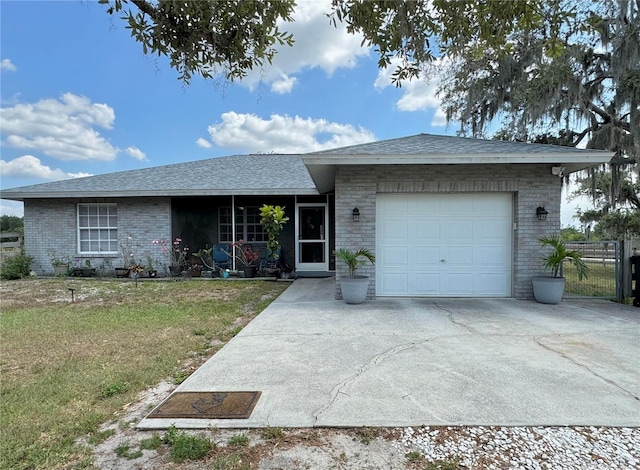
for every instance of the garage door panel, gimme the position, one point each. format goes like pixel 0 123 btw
pixel 493 229
pixel 456 229
pixel 395 230
pixel 457 256
pixel 488 284
pixel 457 245
pixel 394 283
pixel 457 284
pixel 490 255
pixel 455 204
pixel 425 230
pixel 396 204
pixel 393 256
pixel 424 283
pixel 419 206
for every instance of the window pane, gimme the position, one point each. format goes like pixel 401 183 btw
pixel 98 228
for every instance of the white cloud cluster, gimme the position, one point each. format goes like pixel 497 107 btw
pixel 7 65
pixel 62 128
pixel 28 166
pixel 204 143
pixel 284 134
pixel 135 152
pixel 318 44
pixel 417 95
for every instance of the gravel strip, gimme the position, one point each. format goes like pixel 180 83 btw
pixel 527 447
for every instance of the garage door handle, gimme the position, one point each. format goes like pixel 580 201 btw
pixel 442 261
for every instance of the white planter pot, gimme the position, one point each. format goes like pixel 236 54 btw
pixel 354 290
pixel 548 290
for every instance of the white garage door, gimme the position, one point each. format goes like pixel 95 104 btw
pixel 449 245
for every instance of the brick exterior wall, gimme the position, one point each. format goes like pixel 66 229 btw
pixel 531 185
pixel 51 224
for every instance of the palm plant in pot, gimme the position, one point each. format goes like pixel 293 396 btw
pixel 550 289
pixel 354 288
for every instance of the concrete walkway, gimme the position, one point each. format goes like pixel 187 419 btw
pixel 407 362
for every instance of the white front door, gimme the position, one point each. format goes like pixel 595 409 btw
pixel 312 237
pixel 450 245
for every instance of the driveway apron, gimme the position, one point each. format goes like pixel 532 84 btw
pixel 410 362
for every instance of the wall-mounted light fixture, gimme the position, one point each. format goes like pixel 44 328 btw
pixel 355 213
pixel 541 213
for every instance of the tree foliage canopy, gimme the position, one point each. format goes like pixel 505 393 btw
pixel 583 88
pixel 207 37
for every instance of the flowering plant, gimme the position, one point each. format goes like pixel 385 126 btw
pixel 243 253
pixel 58 259
pixel 176 253
pixel 126 247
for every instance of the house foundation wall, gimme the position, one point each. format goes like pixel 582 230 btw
pixel 530 185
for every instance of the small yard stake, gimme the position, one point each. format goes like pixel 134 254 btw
pixel 72 290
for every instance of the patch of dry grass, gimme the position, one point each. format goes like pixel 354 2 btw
pixel 67 367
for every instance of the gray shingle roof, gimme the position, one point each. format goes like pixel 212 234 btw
pixel 303 174
pixel 238 174
pixel 427 144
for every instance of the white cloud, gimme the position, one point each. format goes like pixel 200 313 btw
pixel 418 94
pixel 7 65
pixel 11 208
pixel 204 143
pixel 284 84
pixel 136 153
pixel 284 134
pixel 318 44
pixel 28 166
pixel 60 128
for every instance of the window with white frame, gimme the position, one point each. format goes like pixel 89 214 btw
pixel 248 226
pixel 97 228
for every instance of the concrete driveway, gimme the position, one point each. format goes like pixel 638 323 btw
pixel 406 362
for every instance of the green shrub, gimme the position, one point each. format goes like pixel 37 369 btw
pixel 187 447
pixel 151 443
pixel 239 440
pixel 113 389
pixel 15 267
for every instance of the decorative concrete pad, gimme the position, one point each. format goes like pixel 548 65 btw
pixel 207 405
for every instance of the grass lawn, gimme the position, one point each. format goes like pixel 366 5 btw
pixel 601 281
pixel 68 367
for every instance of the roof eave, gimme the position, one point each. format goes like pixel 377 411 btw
pixel 322 167
pixel 21 196
pixel 586 157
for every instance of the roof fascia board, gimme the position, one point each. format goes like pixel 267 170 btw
pixel 20 196
pixel 445 159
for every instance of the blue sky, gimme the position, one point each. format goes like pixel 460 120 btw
pixel 79 98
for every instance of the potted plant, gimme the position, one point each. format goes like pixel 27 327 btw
pixel 273 219
pixel 176 254
pixel 83 271
pixel 246 256
pixel 60 263
pixel 550 289
pixel 354 288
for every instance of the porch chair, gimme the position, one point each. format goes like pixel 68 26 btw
pixel 220 257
